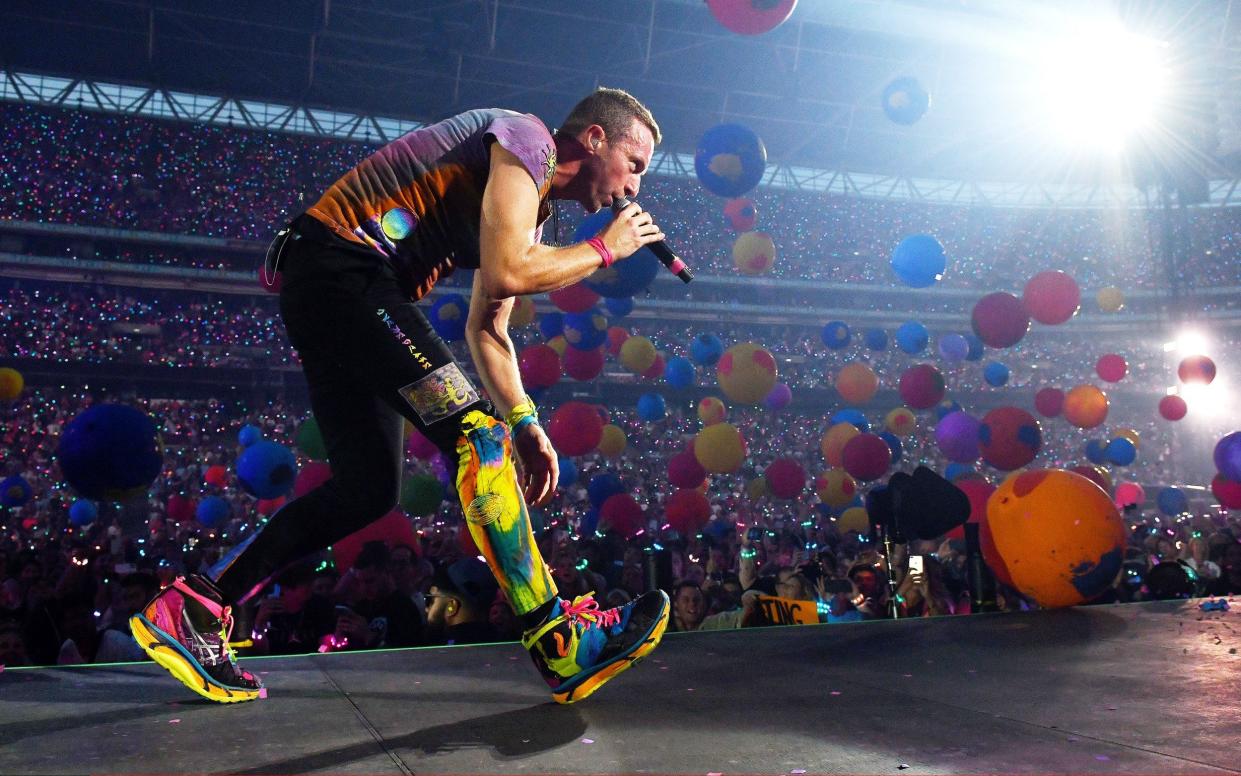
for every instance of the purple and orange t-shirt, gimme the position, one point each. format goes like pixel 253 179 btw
pixel 417 202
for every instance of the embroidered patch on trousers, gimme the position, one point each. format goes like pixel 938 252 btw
pixel 441 394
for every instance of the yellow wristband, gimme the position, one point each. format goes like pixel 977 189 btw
pixel 523 409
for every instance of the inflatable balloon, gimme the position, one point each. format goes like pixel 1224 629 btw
pixel 711 411
pixel 778 397
pixel 267 470
pixel 568 472
pixel 976 348
pixel 585 330
pixel 110 452
pixel 945 408
pixel 309 440
pixel 1049 402
pixel 1227 456
pixel 271 282
pixel 742 214
pixel 575 428
pixel 577 298
pixel 866 457
pixel 310 477
pixel 730 160
pixel 1130 434
pixel 756 489
pixel 850 415
pixel 706 350
pixel 687 511
pixel 1110 300
pixel 248 435
pixel 786 479
pixel 180 508
pixel 551 324
pixel 1096 451
pixel 751 17
pixel 894 444
pixel 684 471
pixel 754 253
pixel 919 260
pixel 904 101
pixel 212 511
pixel 522 314
pixel 720 448
pixel 1129 494
pixel 14 491
pixel 901 422
pixel 921 386
pixel 875 339
pixel 82 513
pixel 392 529
pixel 1173 407
pixel 603 486
pixel 996 374
pixel 912 337
pixel 1111 368
pixel 835 335
pixel 977 490
pixel 1085 406
pixel 833 443
pixel 1000 320
pixel 955 471
pixel 539 366
pixel 618 306
pixel 1009 438
pixel 612 441
pixel 583 365
pixel 616 338
pixel 448 316
pixel 1061 539
pixel 1096 474
pixel 1172 501
pixel 216 476
pixel 637 354
pixel 853 519
pixel 625 278
pixel 953 348
pixel 11 383
pixel 957 437
pixel 1196 369
pixel 558 344
pixel 835 488
pixel 1051 297
pixel 746 373
pixel 679 372
pixel 421 494
pixel 652 407
pixel 856 383
pixel 1227 491
pixel 656 369
pixel 270 506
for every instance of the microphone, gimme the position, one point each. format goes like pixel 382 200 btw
pixel 660 249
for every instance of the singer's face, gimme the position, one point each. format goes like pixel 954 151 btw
pixel 619 165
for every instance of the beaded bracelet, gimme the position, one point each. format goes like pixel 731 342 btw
pixel 602 249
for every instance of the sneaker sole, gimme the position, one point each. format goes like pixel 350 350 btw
pixel 620 663
pixel 165 651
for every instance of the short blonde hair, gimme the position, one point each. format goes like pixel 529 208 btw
pixel 612 109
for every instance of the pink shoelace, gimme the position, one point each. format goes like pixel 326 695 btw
pixel 586 609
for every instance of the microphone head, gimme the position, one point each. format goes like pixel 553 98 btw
pixel 619 204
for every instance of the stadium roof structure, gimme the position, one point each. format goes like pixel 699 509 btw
pixel 810 88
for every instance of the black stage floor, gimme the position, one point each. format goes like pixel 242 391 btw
pixel 1143 688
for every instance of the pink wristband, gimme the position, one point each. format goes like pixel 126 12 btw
pixel 602 250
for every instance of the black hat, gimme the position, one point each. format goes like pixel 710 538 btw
pixel 470 580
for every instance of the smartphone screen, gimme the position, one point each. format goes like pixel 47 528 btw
pixel 915 564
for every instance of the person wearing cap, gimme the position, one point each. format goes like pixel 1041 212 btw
pixel 459 604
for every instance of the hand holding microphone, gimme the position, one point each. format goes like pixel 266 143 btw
pixel 658 247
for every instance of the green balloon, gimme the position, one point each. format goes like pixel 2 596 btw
pixel 421 494
pixel 310 440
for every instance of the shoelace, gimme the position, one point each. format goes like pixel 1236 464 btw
pixel 586 609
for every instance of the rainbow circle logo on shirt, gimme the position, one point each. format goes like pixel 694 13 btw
pixel 398 223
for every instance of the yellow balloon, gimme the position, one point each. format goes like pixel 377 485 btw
pixel 1130 434
pixel 637 354
pixel 754 253
pixel 746 373
pixel 720 448
pixel 522 313
pixel 1110 299
pixel 558 344
pixel 711 411
pixel 901 421
pixel 833 443
pixel 756 488
pixel 854 519
pixel 613 441
pixel 835 487
pixel 856 383
pixel 11 383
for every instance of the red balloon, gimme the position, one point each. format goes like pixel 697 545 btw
pixel 742 214
pixel 577 298
pixel 392 529
pixel 622 513
pixel 687 511
pixel 180 509
pixel 277 281
pixel 785 478
pixel 978 491
pixel 1111 368
pixel 1010 438
pixel 583 364
pixel 1173 407
pixel 312 475
pixel 1051 297
pixel 921 386
pixel 866 457
pixel 684 470
pixel 616 337
pixel 1094 474
pixel 1128 494
pixel 539 366
pixel 1049 402
pixel 1227 491
pixel 268 506
pixel 1196 369
pixel 750 18
pixel 575 428
pixel 1000 320
pixel 216 475
pixel 656 370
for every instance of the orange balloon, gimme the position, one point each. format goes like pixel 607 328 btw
pixel 1060 536
pixel 1085 406
pixel 833 443
pixel 901 421
pixel 857 383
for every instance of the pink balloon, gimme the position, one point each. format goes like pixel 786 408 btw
pixel 310 477
pixel 1111 368
pixel 1051 297
pixel 1000 320
pixel 685 471
pixel 1173 407
pixel 577 298
pixel 866 457
pixel 1049 402
pixel 1129 494
pixel 419 446
pixel 785 478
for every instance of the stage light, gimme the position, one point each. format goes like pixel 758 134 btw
pixel 1101 83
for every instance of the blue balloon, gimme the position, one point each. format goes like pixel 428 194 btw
pixel 602 487
pixel 568 472
pixel 212 511
pixel 249 435
pixel 1096 451
pixel 706 349
pixel 730 160
pixel 618 307
pixel 625 278
pixel 1172 501
pixel 679 372
pixel 589 523
pixel 267 470
pixel 850 415
pixel 876 339
pixel 954 348
pixel 1121 451
pixel 919 260
pixel 586 330
pixel 836 335
pixel 14 491
pixel 551 324
pixel 448 316
pixel 904 101
pixel 651 407
pixel 83 513
pixel 954 470
pixel 110 452
pixel 996 374
pixel 945 408
pixel 976 347
pixel 912 337
pixel 894 444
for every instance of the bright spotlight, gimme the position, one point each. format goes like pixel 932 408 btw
pixel 1101 83
pixel 1188 343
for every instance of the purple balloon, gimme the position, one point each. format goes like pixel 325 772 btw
pixel 779 397
pixel 954 348
pixel 1228 456
pixel 957 437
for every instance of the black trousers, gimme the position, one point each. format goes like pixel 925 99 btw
pixel 371 360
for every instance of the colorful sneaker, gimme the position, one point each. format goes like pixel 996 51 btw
pixel 579 646
pixel 200 657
